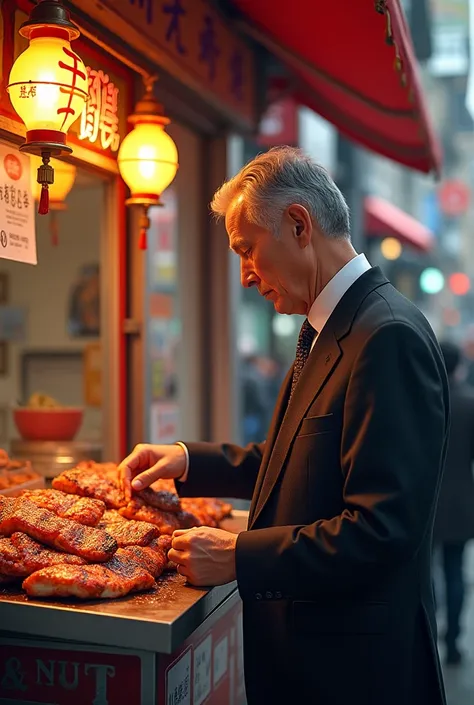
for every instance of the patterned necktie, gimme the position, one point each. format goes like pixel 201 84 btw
pixel 303 348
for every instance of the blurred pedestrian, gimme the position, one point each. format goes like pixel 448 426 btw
pixel 454 524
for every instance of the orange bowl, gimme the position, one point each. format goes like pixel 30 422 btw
pixel 61 424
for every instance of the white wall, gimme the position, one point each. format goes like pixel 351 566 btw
pixel 44 291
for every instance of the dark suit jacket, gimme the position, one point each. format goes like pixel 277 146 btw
pixel 455 517
pixel 334 572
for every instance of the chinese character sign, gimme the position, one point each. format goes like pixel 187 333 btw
pixel 100 120
pixel 17 218
pixel 194 36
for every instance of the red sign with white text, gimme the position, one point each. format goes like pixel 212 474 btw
pixel 208 668
pixel 40 675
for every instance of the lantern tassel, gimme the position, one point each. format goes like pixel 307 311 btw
pixel 45 178
pixel 43 207
pixel 142 241
pixel 144 224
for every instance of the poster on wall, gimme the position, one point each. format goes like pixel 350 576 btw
pixel 17 217
pixel 164 422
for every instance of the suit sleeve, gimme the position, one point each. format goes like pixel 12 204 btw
pixel 392 451
pixel 225 470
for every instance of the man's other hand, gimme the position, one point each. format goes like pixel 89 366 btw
pixel 148 463
pixel 205 556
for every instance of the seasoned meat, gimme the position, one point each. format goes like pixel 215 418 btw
pixel 210 510
pixel 92 480
pixel 116 578
pixel 167 522
pixel 161 495
pixel 20 556
pixel 163 543
pixel 132 533
pixel 152 559
pixel 88 542
pixel 84 510
pixel 111 516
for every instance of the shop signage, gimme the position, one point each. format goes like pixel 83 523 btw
pixel 208 668
pixel 100 118
pixel 190 39
pixel 39 674
pixel 17 220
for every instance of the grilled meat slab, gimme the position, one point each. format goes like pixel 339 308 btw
pixel 93 480
pixel 208 511
pixel 161 495
pixel 167 522
pixel 111 516
pixel 132 533
pixel 88 542
pixel 84 510
pixel 116 578
pixel 20 556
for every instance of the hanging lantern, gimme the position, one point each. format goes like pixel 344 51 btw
pixel 64 177
pixel 48 87
pixel 148 158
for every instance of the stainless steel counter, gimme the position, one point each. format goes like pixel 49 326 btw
pixel 159 620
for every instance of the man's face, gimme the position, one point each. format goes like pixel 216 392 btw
pixel 279 267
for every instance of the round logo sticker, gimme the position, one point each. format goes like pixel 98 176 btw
pixel 13 167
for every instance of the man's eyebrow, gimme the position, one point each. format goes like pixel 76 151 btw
pixel 237 243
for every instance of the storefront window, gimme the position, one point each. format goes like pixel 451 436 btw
pixel 51 321
pixel 163 322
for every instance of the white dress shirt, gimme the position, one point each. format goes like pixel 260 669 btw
pixel 321 309
pixel 333 292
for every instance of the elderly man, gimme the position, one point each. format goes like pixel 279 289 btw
pixel 334 570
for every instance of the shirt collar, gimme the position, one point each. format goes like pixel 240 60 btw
pixel 334 291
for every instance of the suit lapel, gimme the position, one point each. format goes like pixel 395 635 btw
pixel 321 362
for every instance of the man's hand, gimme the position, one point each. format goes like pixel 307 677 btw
pixel 148 463
pixel 205 556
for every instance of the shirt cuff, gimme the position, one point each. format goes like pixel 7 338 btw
pixel 184 476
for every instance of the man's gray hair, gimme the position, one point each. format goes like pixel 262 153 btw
pixel 278 178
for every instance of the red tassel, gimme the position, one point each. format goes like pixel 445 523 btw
pixel 43 207
pixel 142 244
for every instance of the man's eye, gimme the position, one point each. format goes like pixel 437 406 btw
pixel 248 252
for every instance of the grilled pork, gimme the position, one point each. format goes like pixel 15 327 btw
pixel 84 510
pixel 132 533
pixel 93 480
pixel 88 542
pixel 208 510
pixel 20 556
pixel 116 578
pixel 167 522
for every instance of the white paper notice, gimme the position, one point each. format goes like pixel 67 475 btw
pixel 221 657
pixel 178 681
pixel 17 212
pixel 202 670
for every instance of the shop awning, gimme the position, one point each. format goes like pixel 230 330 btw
pixel 352 61
pixel 383 219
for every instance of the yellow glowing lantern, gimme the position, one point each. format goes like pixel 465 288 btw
pixel 48 87
pixel 148 158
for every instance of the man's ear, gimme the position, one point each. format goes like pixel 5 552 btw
pixel 301 224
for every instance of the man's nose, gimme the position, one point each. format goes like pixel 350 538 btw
pixel 248 277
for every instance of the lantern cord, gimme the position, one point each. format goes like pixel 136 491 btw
pixel 54 229
pixel 144 224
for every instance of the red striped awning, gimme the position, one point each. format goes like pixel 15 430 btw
pixel 352 61
pixel 383 219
